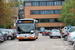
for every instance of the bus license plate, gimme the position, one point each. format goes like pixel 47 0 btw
pixel 25 38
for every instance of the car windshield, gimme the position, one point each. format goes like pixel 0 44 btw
pixel 14 30
pixel 25 28
pixel 72 29
pixel 6 32
pixel 3 32
pixel 48 31
pixel 0 34
pixel 55 30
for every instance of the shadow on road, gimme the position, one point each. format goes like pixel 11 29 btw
pixel 55 38
pixel 27 40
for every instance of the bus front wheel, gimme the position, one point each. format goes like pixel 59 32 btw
pixel 19 39
pixel 36 37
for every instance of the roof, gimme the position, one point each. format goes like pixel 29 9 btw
pixel 41 0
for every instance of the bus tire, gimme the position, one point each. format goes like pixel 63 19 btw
pixel 19 39
pixel 36 37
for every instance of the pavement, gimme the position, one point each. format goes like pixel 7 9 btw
pixel 42 43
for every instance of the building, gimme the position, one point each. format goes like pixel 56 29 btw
pixel 46 12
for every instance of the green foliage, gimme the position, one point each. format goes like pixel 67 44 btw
pixel 5 15
pixel 22 2
pixel 60 30
pixel 16 3
pixel 66 14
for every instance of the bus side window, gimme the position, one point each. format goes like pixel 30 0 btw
pixel 36 28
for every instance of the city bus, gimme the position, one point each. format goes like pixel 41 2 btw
pixel 27 29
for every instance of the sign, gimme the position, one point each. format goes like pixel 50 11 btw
pixel 60 24
pixel 26 21
pixel 69 27
pixel 14 24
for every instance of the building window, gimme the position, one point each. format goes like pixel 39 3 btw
pixel 41 12
pixel 36 12
pixel 32 12
pixel 42 3
pixel 57 3
pixel 51 12
pixel 49 3
pixel 48 20
pixel 63 2
pixel 35 4
pixel 47 12
pixel 51 20
pixel 56 20
pixel 57 11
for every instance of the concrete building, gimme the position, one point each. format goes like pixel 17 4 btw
pixel 46 12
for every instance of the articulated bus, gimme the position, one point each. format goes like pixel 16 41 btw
pixel 27 29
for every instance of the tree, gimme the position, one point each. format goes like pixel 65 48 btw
pixel 14 3
pixel 66 15
pixel 22 2
pixel 5 15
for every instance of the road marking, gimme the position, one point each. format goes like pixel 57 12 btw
pixel 66 43
pixel 22 42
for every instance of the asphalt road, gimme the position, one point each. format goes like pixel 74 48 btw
pixel 42 43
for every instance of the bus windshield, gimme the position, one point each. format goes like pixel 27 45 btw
pixel 25 28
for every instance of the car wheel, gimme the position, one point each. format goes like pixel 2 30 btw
pixel 59 37
pixel 63 36
pixel 9 38
pixel 70 43
pixel 2 40
pixel 50 36
pixel 74 47
pixel 66 37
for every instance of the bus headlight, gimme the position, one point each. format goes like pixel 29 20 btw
pixel 18 36
pixel 33 36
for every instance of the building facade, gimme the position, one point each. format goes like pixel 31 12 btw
pixel 46 12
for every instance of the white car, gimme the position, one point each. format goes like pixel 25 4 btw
pixel 55 33
pixel 71 37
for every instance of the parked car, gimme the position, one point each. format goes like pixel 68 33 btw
pixel 14 32
pixel 10 35
pixel 4 34
pixel 74 45
pixel 43 33
pixel 55 33
pixel 1 38
pixel 71 37
pixel 72 29
pixel 64 32
pixel 48 32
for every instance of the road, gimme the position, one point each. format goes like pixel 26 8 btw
pixel 42 43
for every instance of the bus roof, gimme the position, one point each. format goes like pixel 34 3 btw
pixel 27 19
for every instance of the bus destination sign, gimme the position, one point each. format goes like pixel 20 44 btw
pixel 26 21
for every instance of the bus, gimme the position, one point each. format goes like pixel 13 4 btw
pixel 27 29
